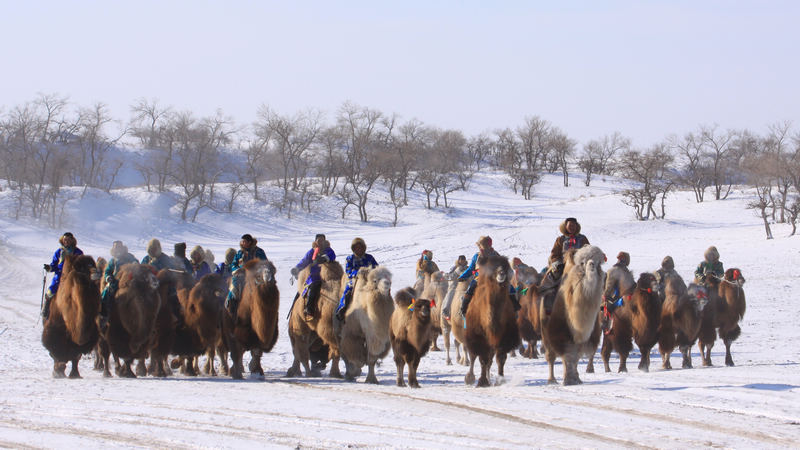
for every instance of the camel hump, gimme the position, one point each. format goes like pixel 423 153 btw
pixel 253 263
pixel 331 271
pixel 405 297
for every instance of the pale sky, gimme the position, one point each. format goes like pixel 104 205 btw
pixel 646 69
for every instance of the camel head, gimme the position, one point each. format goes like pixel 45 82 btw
pixel 528 276
pixel 260 271
pixel 589 260
pixel 698 296
pixel 496 268
pixel 380 279
pixel 438 277
pixel 734 276
pixel 421 308
pixel 647 282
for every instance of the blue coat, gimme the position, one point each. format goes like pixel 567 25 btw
pixel 112 268
pixel 224 270
pixel 201 270
pixel 315 269
pixel 354 263
pixel 243 256
pixel 472 268
pixel 57 265
pixel 161 262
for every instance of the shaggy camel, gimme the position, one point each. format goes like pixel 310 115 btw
pixel 410 331
pixel 202 310
pixel 456 325
pixel 727 302
pixel 365 332
pixel 572 329
pixel 164 327
pixel 491 320
pixel 132 318
pixel 436 286
pixel 304 333
pixel 680 319
pixel 71 328
pixel 527 282
pixel 617 324
pixel 256 322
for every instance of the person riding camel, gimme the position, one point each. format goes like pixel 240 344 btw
pixel 68 246
pixel 452 275
pixel 320 253
pixel 224 268
pixel 666 271
pixel 425 264
pixel 119 257
pixel 200 267
pixel 485 251
pixel 180 261
pixel 155 257
pixel 570 238
pixel 248 250
pixel 360 258
pixel 711 266
pixel 613 298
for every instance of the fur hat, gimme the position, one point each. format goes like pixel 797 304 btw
pixel 461 260
pixel 180 248
pixel 711 254
pixel 484 241
pixel 154 248
pixel 624 258
pixel 229 255
pixel 68 240
pixel 667 263
pixel 318 236
pixel 118 249
pixel 247 237
pixel 515 262
pixel 358 241
pixel 429 253
pixel 197 254
pixel 563 227
pixel 209 256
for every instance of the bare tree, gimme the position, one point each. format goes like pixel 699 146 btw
pixel 598 155
pixel 649 170
pixel 479 149
pixel 761 167
pixel 360 128
pixel 718 146
pixel 151 125
pixel 330 160
pixel 786 162
pixel 95 168
pixel 695 171
pixel 563 151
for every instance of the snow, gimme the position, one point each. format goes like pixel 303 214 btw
pixel 755 404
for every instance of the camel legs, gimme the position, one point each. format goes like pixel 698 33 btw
pixel 434 347
pixel 400 362
pixel 727 338
pixel 73 373
pixel 59 369
pixel 371 378
pixel 446 337
pixel 412 371
pixel 141 368
pixel 686 352
pixel 469 378
pixel 705 353
pixel 550 357
pixel 98 361
pixel 665 364
pixel 126 371
pixel 255 362
pixel 571 377
pixel 590 365
pixel 486 364
pixel 644 362
pixel 335 373
pixel 500 357
pixel 605 353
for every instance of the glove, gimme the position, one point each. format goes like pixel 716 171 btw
pixel 294 272
pixel 47 268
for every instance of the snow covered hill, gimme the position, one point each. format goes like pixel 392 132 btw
pixel 753 405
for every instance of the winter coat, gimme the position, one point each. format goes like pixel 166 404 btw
pixel 162 261
pixel 224 270
pixel 706 268
pixel 182 263
pixel 354 263
pixel 200 270
pixel 566 242
pixel 472 268
pixel 310 257
pixel 57 265
pixel 245 255
pixel 114 264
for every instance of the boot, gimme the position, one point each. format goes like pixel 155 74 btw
pixel 465 303
pixel 311 299
pixel 46 310
pixel 348 297
pixel 231 303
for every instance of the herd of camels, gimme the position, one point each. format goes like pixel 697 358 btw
pixel 141 323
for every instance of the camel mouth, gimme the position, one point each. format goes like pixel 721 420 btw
pixel 385 286
pixel 95 275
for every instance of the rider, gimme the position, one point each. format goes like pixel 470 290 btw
pixel 360 258
pixel 459 267
pixel 247 250
pixel 425 264
pixel 119 257
pixel 155 257
pixel 485 250
pixel 711 266
pixel 181 262
pixel 68 246
pixel 200 267
pixel 320 253
pixel 224 268
pixel 570 238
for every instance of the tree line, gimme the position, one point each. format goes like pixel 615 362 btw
pixel 48 144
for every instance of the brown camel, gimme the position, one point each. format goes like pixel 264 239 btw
pixel 165 325
pixel 573 328
pixel 256 325
pixel 491 320
pixel 71 328
pixel 132 317
pixel 304 333
pixel 456 325
pixel 410 333
pixel 202 310
pixel 681 316
pixel 725 309
pixel 526 280
pixel 365 332
pixel 617 324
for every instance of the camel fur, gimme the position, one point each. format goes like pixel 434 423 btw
pixel 727 305
pixel 303 334
pixel 528 316
pixel 573 328
pixel 132 318
pixel 456 325
pixel 681 316
pixel 202 310
pixel 365 332
pixel 617 325
pixel 491 320
pixel 411 330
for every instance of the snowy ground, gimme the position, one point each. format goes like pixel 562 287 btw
pixel 753 405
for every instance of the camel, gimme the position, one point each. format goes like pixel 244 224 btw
pixel 71 328
pixel 572 329
pixel 730 305
pixel 491 320
pixel 303 333
pixel 202 310
pixel 410 332
pixel 617 324
pixel 436 284
pixel 365 332
pixel 456 325
pixel 132 318
pixel 681 316
pixel 256 322
pixel 165 325
pixel 527 282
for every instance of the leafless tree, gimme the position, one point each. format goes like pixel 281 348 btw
pixel 723 169
pixel 94 166
pixel 695 171
pixel 479 149
pixel 330 160
pixel 598 155
pixel 151 125
pixel 563 150
pixel 777 143
pixel 761 168
pixel 360 127
pixel 650 171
